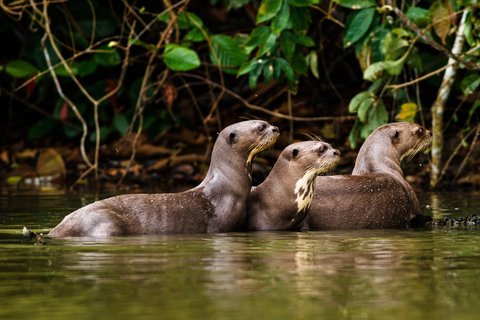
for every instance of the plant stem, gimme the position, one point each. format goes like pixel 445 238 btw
pixel 438 106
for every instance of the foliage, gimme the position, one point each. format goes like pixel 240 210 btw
pixel 80 55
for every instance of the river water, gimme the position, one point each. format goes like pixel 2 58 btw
pixel 365 274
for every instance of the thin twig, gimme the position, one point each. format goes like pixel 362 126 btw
pixel 270 112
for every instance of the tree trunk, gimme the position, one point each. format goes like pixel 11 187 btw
pixel 439 105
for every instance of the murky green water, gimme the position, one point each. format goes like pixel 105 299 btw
pixel 376 274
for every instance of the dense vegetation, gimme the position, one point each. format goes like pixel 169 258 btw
pixel 125 80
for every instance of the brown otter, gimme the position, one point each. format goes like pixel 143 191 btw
pixel 218 204
pixel 282 201
pixel 376 195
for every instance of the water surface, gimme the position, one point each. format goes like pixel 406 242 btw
pixel 366 274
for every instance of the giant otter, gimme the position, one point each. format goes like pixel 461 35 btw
pixel 376 195
pixel 218 204
pixel 282 201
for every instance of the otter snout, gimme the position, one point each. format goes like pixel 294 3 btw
pixel 336 152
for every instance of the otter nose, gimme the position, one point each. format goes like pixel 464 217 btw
pixel 275 129
pixel 336 152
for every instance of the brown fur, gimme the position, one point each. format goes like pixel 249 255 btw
pixel 274 204
pixel 218 204
pixel 376 195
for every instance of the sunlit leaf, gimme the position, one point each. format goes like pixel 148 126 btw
pixel 364 108
pixel 312 62
pixel 179 58
pixel 408 111
pixel 268 9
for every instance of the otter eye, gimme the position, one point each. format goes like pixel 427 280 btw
pixel 232 137
pixel 322 149
pixel 419 131
pixel 294 152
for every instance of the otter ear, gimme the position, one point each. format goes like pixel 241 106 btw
pixel 231 137
pixel 395 135
pixel 294 153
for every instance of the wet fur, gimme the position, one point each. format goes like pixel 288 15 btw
pixel 218 204
pixel 376 195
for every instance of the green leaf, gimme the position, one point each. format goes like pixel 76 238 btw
pixel 356 4
pixel 419 16
pixel 312 62
pixel 287 70
pixel 281 20
pixel 299 63
pixel 473 109
pixel 374 71
pixel 288 45
pixel 302 3
pixel 358 24
pixel 470 84
pixel 20 69
pixel 303 40
pixel 364 108
pixel 179 58
pixel 85 68
pixel 61 71
pixel 357 100
pixel 227 52
pixel 378 115
pixel 268 9
pixel 194 35
pixel 268 45
pixel 107 57
pixel 300 18
pixel 255 73
pixel 120 123
pixel 248 67
pixel 395 45
pixel 258 36
pixel 40 128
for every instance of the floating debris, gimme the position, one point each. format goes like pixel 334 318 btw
pixel 37 237
pixel 472 220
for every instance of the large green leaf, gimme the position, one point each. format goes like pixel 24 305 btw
pixel 364 108
pixel 357 25
pixel 287 69
pixel 227 51
pixel 20 69
pixel 268 45
pixel 258 37
pixel 356 4
pixel 268 9
pixel 179 58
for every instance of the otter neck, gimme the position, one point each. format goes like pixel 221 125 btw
pixel 377 155
pixel 227 183
pixel 288 195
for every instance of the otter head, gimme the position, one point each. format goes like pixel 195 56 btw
pixel 306 160
pixel 247 138
pixel 407 138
